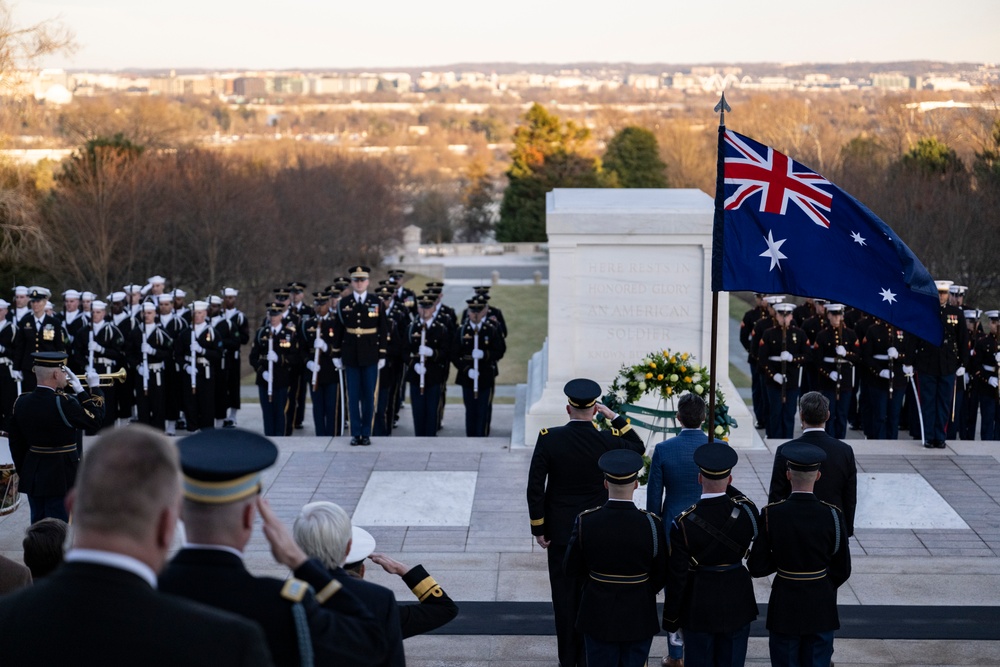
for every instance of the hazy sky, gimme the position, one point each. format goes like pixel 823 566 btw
pixel 393 33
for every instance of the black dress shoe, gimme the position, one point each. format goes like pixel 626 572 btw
pixel 366 441
pixel 229 423
pixel 299 427
pixel 941 444
pixel 356 441
pixel 929 444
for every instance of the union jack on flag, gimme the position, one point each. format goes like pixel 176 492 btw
pixel 781 228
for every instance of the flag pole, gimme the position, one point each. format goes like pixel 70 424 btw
pixel 721 108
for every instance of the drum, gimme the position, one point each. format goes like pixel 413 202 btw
pixel 10 499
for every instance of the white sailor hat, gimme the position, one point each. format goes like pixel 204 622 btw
pixel 229 291
pixel 943 285
pixel 116 296
pixel 199 305
pixel 132 289
pixel 88 296
pixel 98 305
pixel 71 294
pixel 149 305
pixel 20 290
pixel 157 280
pixel 362 546
pixel 4 304
pixel 215 300
pixel 165 298
pixel 178 292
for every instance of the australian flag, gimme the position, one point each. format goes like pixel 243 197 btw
pixel 781 228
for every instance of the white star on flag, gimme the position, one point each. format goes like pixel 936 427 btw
pixel 773 251
pixel 858 238
pixel 887 295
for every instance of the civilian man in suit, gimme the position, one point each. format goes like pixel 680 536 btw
pixel 222 479
pixel 324 532
pixel 838 485
pixel 673 483
pixel 564 480
pixel 102 605
pixel 804 541
pixel 620 553
pixel 709 592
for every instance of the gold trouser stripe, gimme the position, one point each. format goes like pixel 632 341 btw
pixel 328 591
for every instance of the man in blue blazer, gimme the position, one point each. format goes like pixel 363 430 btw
pixel 673 481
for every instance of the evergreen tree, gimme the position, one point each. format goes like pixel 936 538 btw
pixel 633 157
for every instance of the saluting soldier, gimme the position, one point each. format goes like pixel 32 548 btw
pixel 102 342
pixel 804 541
pixel 564 479
pixel 937 368
pixel 987 377
pixel 239 327
pixel 780 354
pixel 887 367
pixel 177 329
pixel 478 346
pixel 429 345
pixel 398 322
pixel 620 553
pixel 275 351
pixel 709 593
pixel 150 350
pixel 45 430
pixel 359 348
pixel 8 386
pixel 321 375
pixel 835 353
pixel 198 353
pixel 38 332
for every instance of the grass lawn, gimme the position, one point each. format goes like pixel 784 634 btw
pixel 526 311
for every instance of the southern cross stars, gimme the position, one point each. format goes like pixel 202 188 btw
pixel 858 238
pixel 887 295
pixel 773 251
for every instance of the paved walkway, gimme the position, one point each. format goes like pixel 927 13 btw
pixel 928 537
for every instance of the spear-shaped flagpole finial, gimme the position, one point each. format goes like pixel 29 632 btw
pixel 721 108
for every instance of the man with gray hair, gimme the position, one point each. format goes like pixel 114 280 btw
pixel 838 483
pixel 323 530
pixel 103 599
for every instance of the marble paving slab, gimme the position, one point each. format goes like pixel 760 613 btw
pixel 902 500
pixel 417 498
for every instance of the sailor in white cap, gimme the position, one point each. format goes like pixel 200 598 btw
pixel 200 353
pixel 151 351
pixel 100 348
pixel 20 306
pixel 72 316
pixel 239 328
pixel 178 330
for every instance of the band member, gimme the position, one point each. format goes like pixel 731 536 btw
pixel 197 353
pixel 429 343
pixel 321 376
pixel 780 354
pixel 100 347
pixel 478 346
pixel 150 350
pixel 275 351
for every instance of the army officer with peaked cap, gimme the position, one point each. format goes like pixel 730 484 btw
pixel 564 480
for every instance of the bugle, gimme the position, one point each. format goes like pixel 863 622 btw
pixel 108 379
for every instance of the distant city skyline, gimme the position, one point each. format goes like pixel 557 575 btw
pixel 251 34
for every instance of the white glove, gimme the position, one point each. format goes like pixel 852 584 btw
pixel 338 363
pixel 473 374
pixel 381 364
pixel 425 351
pixel 841 351
pixel 74 383
pixel 834 375
pixel 892 353
pixel 907 369
pixel 93 379
pixel 198 349
pixel 95 347
pixel 272 356
pixel 313 367
pixel 187 369
pixel 786 356
pixel 266 376
pixel 148 349
pixel 960 372
pixel 994 382
pixel 420 369
pixel 779 378
pixel 17 376
pixel 2 349
pixel 478 354
pixel 997 357
pixel 320 344
pixel 884 374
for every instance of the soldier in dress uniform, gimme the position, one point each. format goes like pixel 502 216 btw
pixel 8 386
pixel 403 295
pixel 224 336
pixel 45 430
pixel 966 394
pixel 812 326
pixel 21 304
pixel 125 396
pixel 396 355
pixel 887 367
pixel 804 311
pixel 180 305
pixel 300 380
pixel 308 618
pixel 155 288
pixel 359 348
pixel 321 376
pixel 478 346
pixel 835 354
pixel 768 320
pixel 620 553
pixel 86 299
pixel 38 332
pixel 750 318
pixel 150 351
pixel 564 480
pixel 133 300
pixel 709 593
pixel 275 351
pixel 102 342
pixel 987 378
pixel 198 353
pixel 72 316
pixel 429 346
pixel 493 314
pixel 937 367
pixel 177 329
pixel 780 354
pixel 446 315
pixel 804 541
pixel 239 327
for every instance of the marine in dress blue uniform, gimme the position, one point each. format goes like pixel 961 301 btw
pixel 780 354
